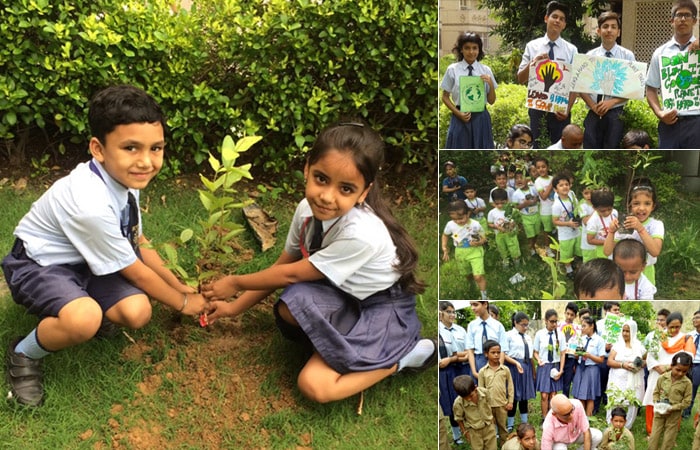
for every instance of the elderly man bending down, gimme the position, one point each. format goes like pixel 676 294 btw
pixel 566 423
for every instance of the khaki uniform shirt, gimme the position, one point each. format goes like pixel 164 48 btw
pixel 474 415
pixel 499 383
pixel 678 393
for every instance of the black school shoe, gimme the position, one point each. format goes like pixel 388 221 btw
pixel 25 377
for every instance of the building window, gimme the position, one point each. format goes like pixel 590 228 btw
pixel 463 4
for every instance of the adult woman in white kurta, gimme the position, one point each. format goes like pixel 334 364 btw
pixel 624 373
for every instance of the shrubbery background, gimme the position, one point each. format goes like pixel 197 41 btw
pixel 281 69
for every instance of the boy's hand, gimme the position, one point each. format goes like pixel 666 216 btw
pixel 220 289
pixel 216 310
pixel 509 406
pixel 196 304
pixel 614 225
pixel 445 255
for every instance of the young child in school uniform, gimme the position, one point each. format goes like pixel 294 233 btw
pixel 476 205
pixel 526 200
pixel 639 225
pixel 524 438
pixel 501 180
pixel 473 413
pixel 563 218
pixel 617 432
pixel 349 273
pixel 505 229
pixel 496 378
pixel 585 212
pixel 468 239
pixel 630 257
pixel 673 389
pixel 543 185
pixel 598 225
pixel 80 261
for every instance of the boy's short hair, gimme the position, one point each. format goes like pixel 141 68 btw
pixel 499 173
pixel 558 177
pixel 663 312
pixel 449 163
pixel 607 306
pixel 608 15
pixel 499 195
pixel 678 4
pixel 628 249
pixel 602 198
pixel 572 306
pixel 618 412
pixel 488 345
pixel 557 6
pixel 469 187
pixel 635 138
pixel 597 274
pixel 464 385
pixel 458 206
pixel 122 105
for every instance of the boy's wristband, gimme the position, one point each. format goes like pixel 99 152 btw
pixel 184 302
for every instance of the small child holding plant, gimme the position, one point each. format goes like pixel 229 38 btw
pixel 476 205
pixel 671 396
pixel 564 219
pixel 598 225
pixel 505 229
pixel 526 200
pixel 616 436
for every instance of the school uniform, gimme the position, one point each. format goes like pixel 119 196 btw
pixel 471 258
pixel 695 371
pixel 599 227
pixel 587 378
pixel 480 216
pixel 477 419
pixel 523 382
pixel 605 131
pixel 547 346
pixel 587 250
pixel 563 51
pixel 563 211
pixel 685 133
pixel 479 331
pixel 499 383
pixel 73 242
pixel 678 394
pixel 642 289
pixel 477 133
pixel 357 318
pixel 506 241
pixel 568 335
pixel 529 214
pixel 545 204
pixel 454 339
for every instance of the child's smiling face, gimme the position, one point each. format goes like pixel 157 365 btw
pixel 334 185
pixel 642 205
pixel 562 188
pixel 470 51
pixel 501 181
pixel 542 169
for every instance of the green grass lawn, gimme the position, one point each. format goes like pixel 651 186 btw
pixel 232 385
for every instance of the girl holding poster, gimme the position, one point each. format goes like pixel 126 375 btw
pixel 467 86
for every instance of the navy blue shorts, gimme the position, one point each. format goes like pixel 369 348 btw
pixel 45 290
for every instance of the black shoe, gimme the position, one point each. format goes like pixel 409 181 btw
pixel 570 275
pixel 25 377
pixel 107 329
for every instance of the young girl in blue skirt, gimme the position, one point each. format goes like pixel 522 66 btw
pixel 519 361
pixel 549 357
pixel 591 352
pixel 468 129
pixel 348 269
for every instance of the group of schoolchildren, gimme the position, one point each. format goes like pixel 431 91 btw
pixel 487 373
pixel 604 123
pixel 585 229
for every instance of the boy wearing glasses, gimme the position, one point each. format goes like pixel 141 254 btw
pixel 566 423
pixel 677 129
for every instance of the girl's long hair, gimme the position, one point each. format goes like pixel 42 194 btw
pixel 367 150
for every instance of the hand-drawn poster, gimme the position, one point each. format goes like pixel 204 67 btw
pixel 680 81
pixel 613 327
pixel 548 86
pixel 472 94
pixel 608 76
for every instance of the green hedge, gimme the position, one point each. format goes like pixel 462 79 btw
pixel 279 69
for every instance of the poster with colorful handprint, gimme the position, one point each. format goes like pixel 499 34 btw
pixel 608 76
pixel 680 81
pixel 548 86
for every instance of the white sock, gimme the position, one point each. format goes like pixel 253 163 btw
pixel 420 353
pixel 30 347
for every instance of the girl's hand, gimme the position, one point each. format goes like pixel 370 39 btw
pixel 632 223
pixel 464 116
pixel 520 368
pixel 196 304
pixel 220 289
pixel 217 310
pixel 558 375
pixel 445 255
pixel 487 79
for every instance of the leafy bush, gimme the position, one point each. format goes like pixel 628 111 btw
pixel 279 69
